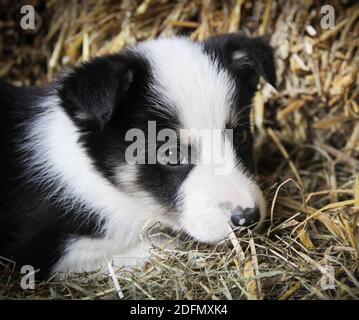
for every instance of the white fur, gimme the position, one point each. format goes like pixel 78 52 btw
pixel 53 142
pixel 86 254
pixel 203 213
pixel 201 94
pixel 193 84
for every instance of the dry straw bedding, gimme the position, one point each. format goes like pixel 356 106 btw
pixel 307 148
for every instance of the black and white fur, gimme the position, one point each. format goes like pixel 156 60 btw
pixel 69 201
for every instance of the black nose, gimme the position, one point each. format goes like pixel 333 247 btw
pixel 244 217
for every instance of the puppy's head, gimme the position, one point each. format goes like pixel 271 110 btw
pixel 170 120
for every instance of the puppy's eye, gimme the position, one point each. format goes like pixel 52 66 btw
pixel 173 156
pixel 241 136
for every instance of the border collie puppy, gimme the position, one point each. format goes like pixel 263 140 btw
pixel 71 201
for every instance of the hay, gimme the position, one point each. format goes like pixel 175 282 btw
pixel 307 148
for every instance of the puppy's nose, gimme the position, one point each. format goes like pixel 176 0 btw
pixel 244 217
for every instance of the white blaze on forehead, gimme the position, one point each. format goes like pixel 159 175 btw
pixel 190 81
pixel 200 93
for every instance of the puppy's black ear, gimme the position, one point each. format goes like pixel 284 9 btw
pixel 91 92
pixel 247 58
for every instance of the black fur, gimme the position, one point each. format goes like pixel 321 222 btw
pixel 32 229
pixel 258 61
pixel 111 96
pixel 104 98
pixel 114 90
